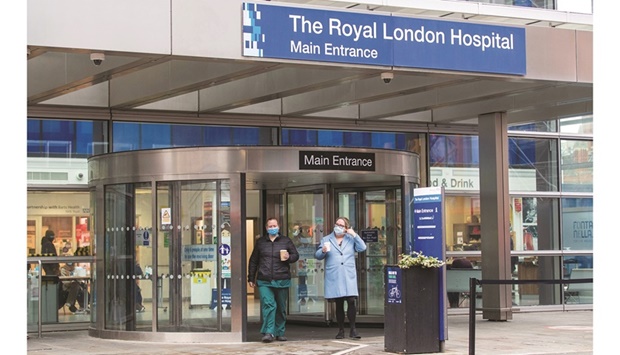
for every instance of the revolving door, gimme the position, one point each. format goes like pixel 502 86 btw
pixel 173 233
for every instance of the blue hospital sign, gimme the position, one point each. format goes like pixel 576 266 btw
pixel 272 31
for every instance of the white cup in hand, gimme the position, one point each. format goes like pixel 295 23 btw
pixel 327 246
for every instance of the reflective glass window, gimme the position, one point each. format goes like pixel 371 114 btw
pixel 577 125
pixel 537 294
pixel 330 138
pixel 533 164
pixel 542 126
pixel 154 136
pixel 301 137
pixel 462 220
pixel 66 138
pixel 453 151
pixel 125 136
pixel 577 165
pixel 336 138
pixel 534 223
pixel 577 224
pixel 217 136
pixel 357 139
pixel 577 6
pixel 136 136
pixel 186 136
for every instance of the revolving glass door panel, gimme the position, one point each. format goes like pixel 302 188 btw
pixel 194 224
pixel 205 220
pixel 166 282
pixel 126 245
pixel 305 215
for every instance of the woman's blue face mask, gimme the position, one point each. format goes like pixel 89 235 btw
pixel 338 229
pixel 273 231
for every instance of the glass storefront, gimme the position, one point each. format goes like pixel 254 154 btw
pixel 549 174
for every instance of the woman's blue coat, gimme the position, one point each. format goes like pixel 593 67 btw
pixel 340 272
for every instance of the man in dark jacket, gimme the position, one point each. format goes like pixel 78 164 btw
pixel 49 249
pixel 269 270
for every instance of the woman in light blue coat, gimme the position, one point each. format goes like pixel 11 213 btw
pixel 338 249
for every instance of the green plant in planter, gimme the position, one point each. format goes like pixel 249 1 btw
pixel 417 259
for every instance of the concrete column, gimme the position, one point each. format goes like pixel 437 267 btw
pixel 494 211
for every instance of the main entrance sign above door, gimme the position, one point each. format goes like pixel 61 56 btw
pixel 322 160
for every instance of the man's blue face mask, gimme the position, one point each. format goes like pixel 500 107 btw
pixel 273 231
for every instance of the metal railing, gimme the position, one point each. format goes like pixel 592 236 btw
pixel 473 283
pixel 39 261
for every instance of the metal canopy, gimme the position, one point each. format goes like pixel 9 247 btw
pixel 296 93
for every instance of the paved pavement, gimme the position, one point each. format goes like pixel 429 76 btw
pixel 527 333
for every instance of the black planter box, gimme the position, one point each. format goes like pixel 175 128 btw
pixel 412 320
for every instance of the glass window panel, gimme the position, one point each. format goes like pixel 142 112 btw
pixel 59 137
pixel 577 165
pixel 541 4
pixel 66 138
pixel 186 136
pixel 83 137
pixel 543 126
pixel 527 294
pixel 135 136
pixel 462 221
pixel 357 139
pixel 246 136
pixel 532 164
pixel 331 138
pixel 299 137
pixel 401 141
pixel 534 223
pixel 155 136
pixel 577 125
pixel 538 268
pixel 578 267
pixel 126 136
pixel 383 140
pixel 577 224
pixel 215 136
pixel 334 138
pixel 453 151
pixel 35 143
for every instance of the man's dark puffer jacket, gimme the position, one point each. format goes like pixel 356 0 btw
pixel 265 263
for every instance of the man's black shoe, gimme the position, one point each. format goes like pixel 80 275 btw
pixel 340 334
pixel 281 338
pixel 73 308
pixel 353 334
pixel 268 338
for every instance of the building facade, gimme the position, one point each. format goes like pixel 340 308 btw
pixel 162 135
